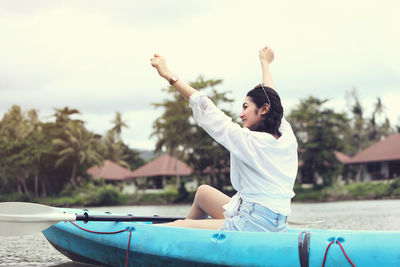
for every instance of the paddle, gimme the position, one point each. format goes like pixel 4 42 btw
pixel 21 218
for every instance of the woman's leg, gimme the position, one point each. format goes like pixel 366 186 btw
pixel 208 201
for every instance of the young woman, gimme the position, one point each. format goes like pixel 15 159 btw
pixel 263 156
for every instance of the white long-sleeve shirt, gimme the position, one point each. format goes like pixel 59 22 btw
pixel 263 169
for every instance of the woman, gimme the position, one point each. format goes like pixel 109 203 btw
pixel 263 157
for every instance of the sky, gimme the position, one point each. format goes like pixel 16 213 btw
pixel 95 55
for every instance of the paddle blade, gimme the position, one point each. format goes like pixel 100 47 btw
pixel 17 229
pixel 21 218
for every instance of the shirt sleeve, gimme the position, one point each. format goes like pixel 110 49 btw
pixel 241 142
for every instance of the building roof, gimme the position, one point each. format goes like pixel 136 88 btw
pixel 385 150
pixel 164 165
pixel 343 158
pixel 110 171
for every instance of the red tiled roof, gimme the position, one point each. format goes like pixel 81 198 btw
pixel 110 171
pixel 385 150
pixel 164 165
pixel 343 158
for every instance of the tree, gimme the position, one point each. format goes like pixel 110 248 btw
pixel 21 159
pixel 118 125
pixel 132 157
pixel 77 149
pixel 364 130
pixel 320 131
pixel 178 135
pixel 113 147
pixel 114 150
pixel 17 159
pixel 62 115
pixel 377 130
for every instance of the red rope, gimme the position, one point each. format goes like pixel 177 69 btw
pixel 326 252
pixel 106 233
pixel 95 232
pixel 344 252
pixel 127 251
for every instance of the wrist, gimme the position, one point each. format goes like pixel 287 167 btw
pixel 173 79
pixel 167 75
pixel 265 63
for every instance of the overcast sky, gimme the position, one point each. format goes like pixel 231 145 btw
pixel 95 55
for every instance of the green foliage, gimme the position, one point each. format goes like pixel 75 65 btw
pixel 88 194
pixel 79 147
pixel 14 197
pixel 319 131
pixel 164 197
pixel 309 194
pixel 365 130
pixel 112 146
pixel 368 190
pixel 43 157
pixel 101 196
pixel 364 190
pixel 183 194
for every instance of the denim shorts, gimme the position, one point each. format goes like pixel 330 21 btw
pixel 254 217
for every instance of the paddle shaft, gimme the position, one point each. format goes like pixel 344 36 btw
pixel 128 218
pixel 20 218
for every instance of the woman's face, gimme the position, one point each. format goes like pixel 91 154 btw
pixel 250 114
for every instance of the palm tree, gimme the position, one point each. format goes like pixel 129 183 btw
pixel 118 125
pixel 63 115
pixel 78 147
pixel 112 142
pixel 114 149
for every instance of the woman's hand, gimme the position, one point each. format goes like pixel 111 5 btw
pixel 160 64
pixel 266 55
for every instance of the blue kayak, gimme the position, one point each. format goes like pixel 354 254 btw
pixel 144 244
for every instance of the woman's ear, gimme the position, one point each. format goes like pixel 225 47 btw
pixel 265 109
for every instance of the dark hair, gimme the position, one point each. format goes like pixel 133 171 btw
pixel 273 118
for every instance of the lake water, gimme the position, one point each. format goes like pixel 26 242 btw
pixel 34 250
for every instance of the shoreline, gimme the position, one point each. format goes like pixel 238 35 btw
pixel 108 196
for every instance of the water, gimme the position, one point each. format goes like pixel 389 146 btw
pixel 34 250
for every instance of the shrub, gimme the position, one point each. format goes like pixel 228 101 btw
pixel 103 195
pixel 368 190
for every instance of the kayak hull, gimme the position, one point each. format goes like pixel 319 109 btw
pixel 151 245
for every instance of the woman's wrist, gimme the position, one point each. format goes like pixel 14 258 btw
pixel 167 75
pixel 265 63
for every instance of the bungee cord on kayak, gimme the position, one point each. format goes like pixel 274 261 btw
pixel 113 232
pixel 341 247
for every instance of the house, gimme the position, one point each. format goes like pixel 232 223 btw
pixel 111 172
pixel 160 169
pixel 379 161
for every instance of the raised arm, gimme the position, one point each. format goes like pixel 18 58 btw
pixel 266 57
pixel 160 64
